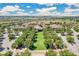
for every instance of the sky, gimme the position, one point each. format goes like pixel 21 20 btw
pixel 39 9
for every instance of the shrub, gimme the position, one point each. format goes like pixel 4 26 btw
pixel 11 37
pixel 78 36
pixel 51 53
pixel 8 53
pixel 70 39
pixel 26 53
pixel 66 53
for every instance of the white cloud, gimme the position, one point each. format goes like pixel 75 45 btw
pixel 70 4
pixel 69 10
pixel 47 4
pixel 42 3
pixel 20 14
pixel 44 14
pixel 40 12
pixel 50 4
pixel 69 14
pixel 75 4
pixel 16 14
pixel 31 11
pixel 6 11
pixel 55 13
pixel 10 8
pixel 28 6
pixel 45 11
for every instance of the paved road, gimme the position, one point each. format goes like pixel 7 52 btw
pixel 72 48
pixel 6 42
pixel 76 45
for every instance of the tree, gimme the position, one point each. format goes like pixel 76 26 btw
pixel 28 43
pixel 19 42
pixel 58 43
pixel 51 53
pixel 76 29
pixel 48 43
pixel 78 36
pixel 26 39
pixel 70 39
pixel 1 34
pixel 26 53
pixel 8 53
pixel 70 32
pixel 11 36
pixel 66 53
pixel 14 45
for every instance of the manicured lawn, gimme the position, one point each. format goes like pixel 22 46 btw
pixel 40 42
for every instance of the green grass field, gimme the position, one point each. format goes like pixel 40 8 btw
pixel 40 42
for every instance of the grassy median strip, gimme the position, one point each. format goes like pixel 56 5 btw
pixel 40 42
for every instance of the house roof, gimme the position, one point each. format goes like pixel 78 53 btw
pixel 56 26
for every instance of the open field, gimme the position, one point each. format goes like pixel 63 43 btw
pixel 40 42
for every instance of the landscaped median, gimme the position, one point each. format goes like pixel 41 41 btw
pixel 40 42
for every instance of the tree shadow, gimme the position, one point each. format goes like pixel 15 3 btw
pixel 32 47
pixel 1 49
pixel 1 40
pixel 73 43
pixel 20 47
pixel 53 46
pixel 34 40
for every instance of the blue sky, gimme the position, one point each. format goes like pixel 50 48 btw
pixel 40 9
